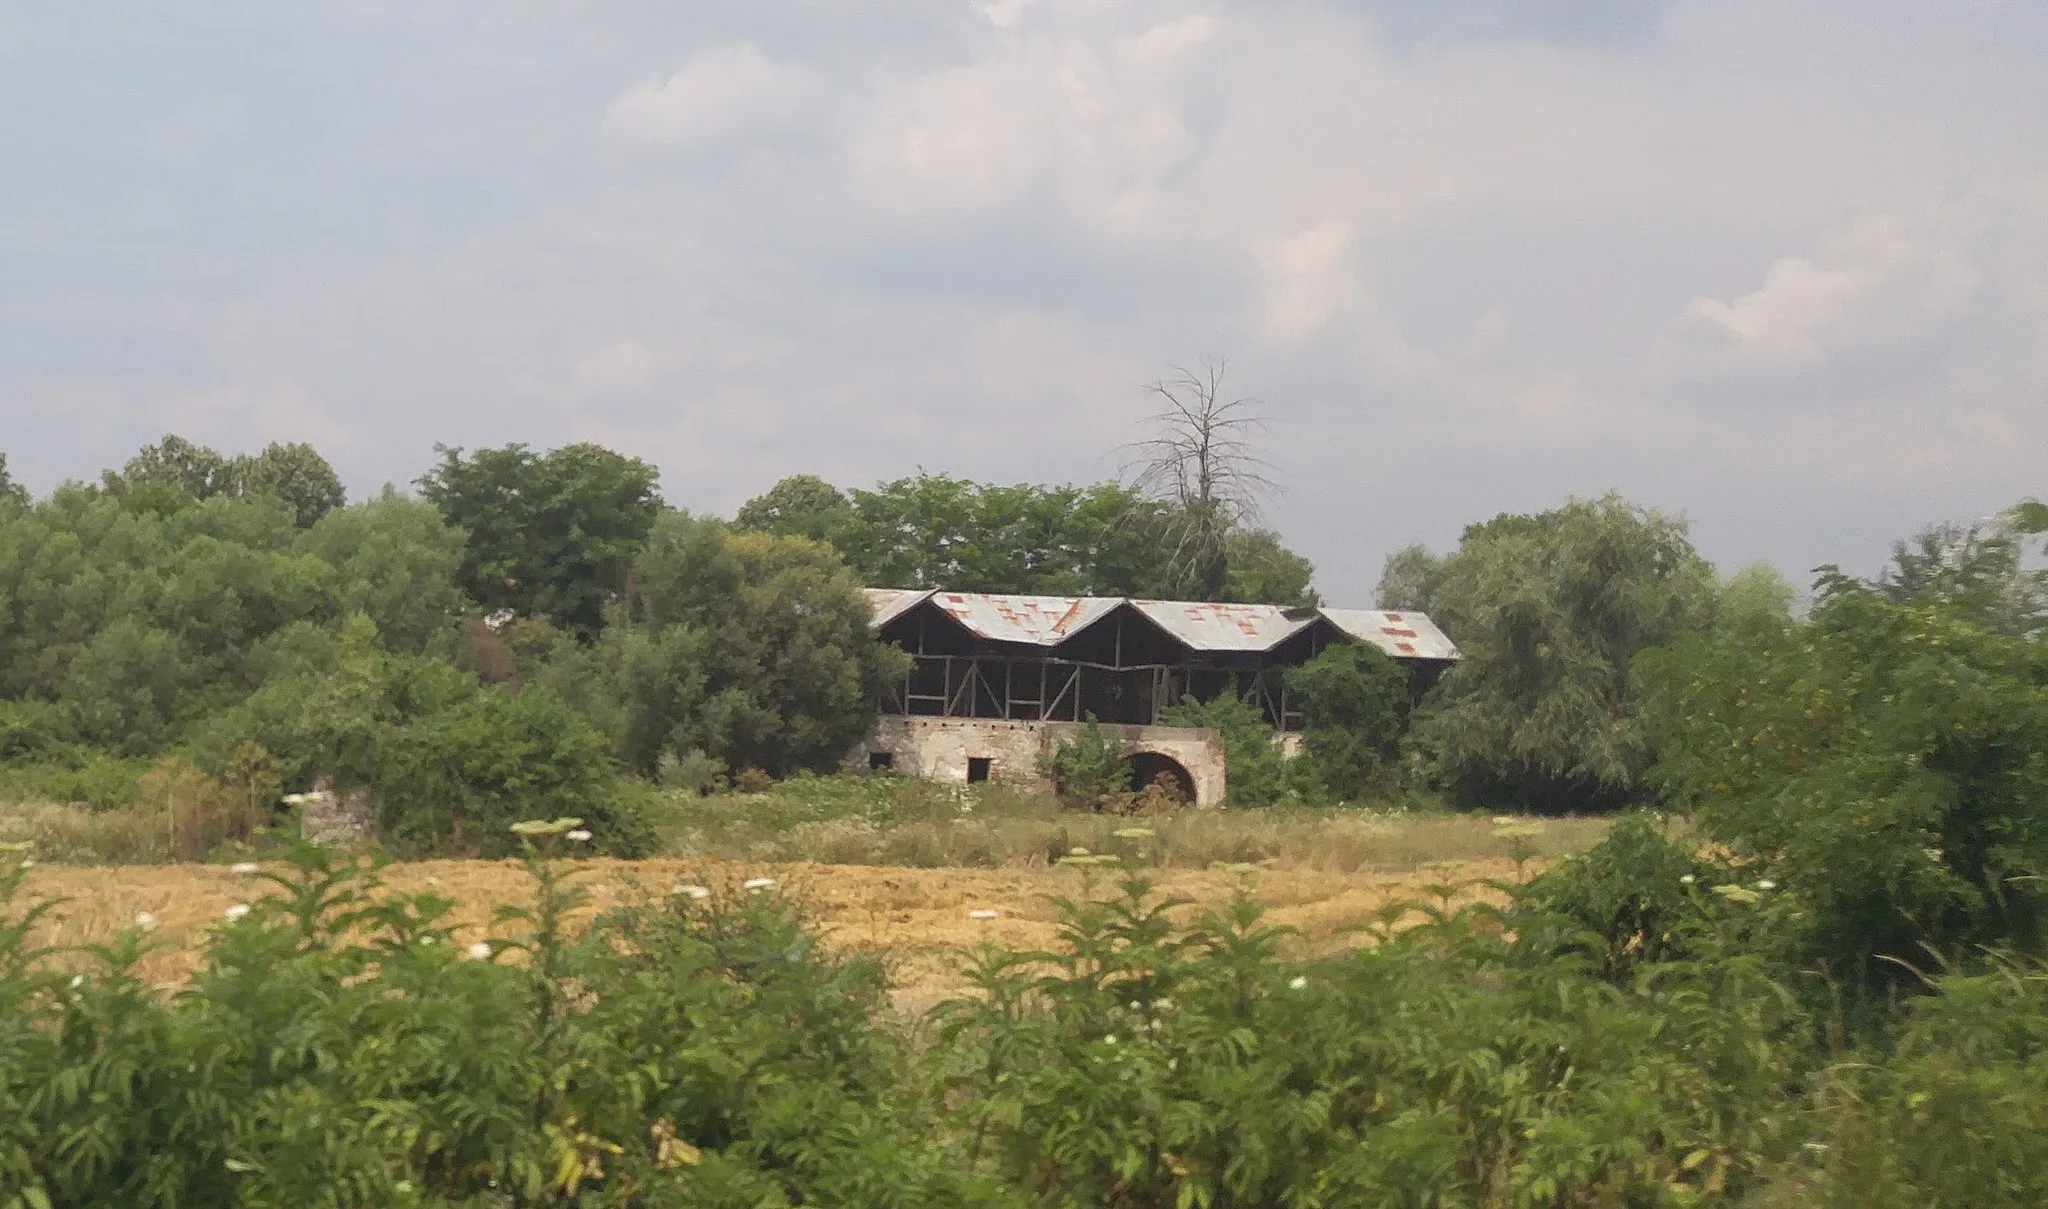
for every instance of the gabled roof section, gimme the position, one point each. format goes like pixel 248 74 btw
pixel 1214 626
pixel 1047 621
pixel 1027 620
pixel 1402 635
pixel 891 603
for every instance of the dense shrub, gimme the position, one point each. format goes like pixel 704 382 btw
pixel 1256 768
pixel 1087 768
pixel 1354 702
pixel 1885 762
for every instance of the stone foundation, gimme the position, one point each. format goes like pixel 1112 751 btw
pixel 960 750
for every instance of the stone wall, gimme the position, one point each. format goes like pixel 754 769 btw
pixel 945 749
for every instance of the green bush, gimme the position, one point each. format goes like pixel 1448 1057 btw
pixel 1087 768
pixel 1256 769
pixel 1354 701
pixel 1885 762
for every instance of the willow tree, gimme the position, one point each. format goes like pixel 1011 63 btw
pixel 1549 610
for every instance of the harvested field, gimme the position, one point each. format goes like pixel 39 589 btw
pixel 915 920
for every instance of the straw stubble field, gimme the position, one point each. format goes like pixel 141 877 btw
pixel 916 921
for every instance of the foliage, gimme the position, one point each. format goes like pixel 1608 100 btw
pixel 1409 579
pixel 1088 767
pixel 1887 759
pixel 1548 610
pixel 175 471
pixel 11 492
pixel 1974 568
pixel 549 534
pixel 935 530
pixel 1354 702
pixel 1255 768
pixel 1262 571
pixel 343 1046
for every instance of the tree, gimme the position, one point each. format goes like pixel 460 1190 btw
pixel 1201 463
pixel 939 531
pixel 752 648
pixel 1409 579
pixel 1548 610
pixel 1262 571
pixel 800 505
pixel 550 534
pixel 177 464
pixel 1353 700
pixel 296 474
pixel 11 492
pixel 1977 567
pixel 1885 762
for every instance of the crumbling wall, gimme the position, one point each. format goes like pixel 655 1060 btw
pixel 942 749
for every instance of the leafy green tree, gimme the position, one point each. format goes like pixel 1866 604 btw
pixel 1262 571
pixel 1354 701
pixel 1885 762
pixel 1756 597
pixel 395 561
pixel 802 505
pixel 1548 610
pixel 551 534
pixel 1409 579
pixel 11 492
pixel 179 466
pixel 296 474
pixel 1977 567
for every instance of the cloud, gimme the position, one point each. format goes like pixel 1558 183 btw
pixel 722 93
pixel 624 367
pixel 1878 283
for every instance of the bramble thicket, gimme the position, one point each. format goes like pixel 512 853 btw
pixel 1804 967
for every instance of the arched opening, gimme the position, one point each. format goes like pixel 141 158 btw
pixel 1150 768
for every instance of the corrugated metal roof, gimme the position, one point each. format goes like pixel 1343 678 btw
pixel 891 603
pixel 1035 620
pixel 1402 635
pixel 1212 626
pixel 1200 625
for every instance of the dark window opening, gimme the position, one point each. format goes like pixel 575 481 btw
pixel 978 768
pixel 881 761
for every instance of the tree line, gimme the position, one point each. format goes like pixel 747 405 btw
pixel 541 627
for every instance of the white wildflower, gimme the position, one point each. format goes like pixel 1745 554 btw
pixel 690 891
pixel 242 867
pixel 145 921
pixel 579 835
pixel 1766 884
pixel 480 951
pixel 1136 1006
pixel 237 911
pixel 77 980
pixel 758 883
pixel 1162 1004
pixel 981 913
pixel 1297 983
pixel 1687 880
pixel 1110 1039
pixel 430 940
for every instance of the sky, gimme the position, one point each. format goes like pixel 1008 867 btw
pixel 1782 269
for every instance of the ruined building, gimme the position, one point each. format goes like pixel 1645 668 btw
pixel 999 681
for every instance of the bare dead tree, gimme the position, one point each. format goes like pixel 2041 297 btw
pixel 1202 465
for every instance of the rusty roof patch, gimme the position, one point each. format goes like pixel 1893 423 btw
pixel 1402 635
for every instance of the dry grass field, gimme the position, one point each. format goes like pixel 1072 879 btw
pixel 915 920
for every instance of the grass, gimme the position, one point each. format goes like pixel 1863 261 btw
pixel 918 824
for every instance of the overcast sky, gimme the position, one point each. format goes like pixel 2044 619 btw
pixel 1780 267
